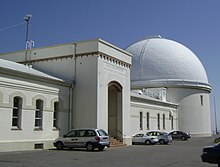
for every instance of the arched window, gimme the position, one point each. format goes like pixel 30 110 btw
pixel 39 114
pixel 55 115
pixel 16 113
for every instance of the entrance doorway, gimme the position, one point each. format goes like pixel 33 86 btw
pixel 115 110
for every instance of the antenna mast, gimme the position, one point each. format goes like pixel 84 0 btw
pixel 27 19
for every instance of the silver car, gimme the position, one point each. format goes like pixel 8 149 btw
pixel 144 139
pixel 83 138
pixel 163 137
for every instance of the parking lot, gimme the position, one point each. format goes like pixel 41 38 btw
pixel 176 154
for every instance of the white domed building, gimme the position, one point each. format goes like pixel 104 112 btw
pixel 162 64
pixel 155 84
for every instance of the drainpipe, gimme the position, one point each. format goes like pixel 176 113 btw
pixel 70 107
pixel 71 90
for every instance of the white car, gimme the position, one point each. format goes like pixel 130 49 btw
pixel 163 137
pixel 144 139
pixel 83 138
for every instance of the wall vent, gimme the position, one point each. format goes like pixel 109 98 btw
pixel 39 146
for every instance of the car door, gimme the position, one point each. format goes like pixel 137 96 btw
pixel 175 135
pixel 79 140
pixel 69 138
pixel 138 138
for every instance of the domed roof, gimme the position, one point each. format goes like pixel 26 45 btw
pixel 162 60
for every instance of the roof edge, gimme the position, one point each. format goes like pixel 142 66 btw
pixel 172 83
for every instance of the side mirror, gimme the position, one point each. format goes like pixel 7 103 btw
pixel 64 136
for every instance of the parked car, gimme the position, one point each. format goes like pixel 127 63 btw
pixel 217 140
pixel 180 135
pixel 211 154
pixel 163 137
pixel 144 139
pixel 83 138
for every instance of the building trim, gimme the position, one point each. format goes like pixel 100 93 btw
pixel 96 53
pixel 33 77
pixel 141 100
pixel 172 83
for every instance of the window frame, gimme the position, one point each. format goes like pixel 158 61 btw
pixel 201 100
pixel 158 121
pixel 141 120
pixel 148 120
pixel 38 123
pixel 17 112
pixel 55 115
pixel 164 121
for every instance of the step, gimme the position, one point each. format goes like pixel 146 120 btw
pixel 116 143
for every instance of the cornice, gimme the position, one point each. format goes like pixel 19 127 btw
pixel 106 57
pixel 97 53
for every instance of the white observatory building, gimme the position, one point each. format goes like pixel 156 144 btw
pixel 154 84
pixel 159 63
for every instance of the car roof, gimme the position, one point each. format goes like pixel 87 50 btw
pixel 155 131
pixel 86 129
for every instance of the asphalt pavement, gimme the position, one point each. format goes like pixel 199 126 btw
pixel 176 154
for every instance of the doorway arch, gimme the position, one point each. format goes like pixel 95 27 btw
pixel 115 109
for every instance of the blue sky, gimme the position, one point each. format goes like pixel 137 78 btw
pixel 194 23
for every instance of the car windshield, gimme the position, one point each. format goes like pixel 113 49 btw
pixel 102 133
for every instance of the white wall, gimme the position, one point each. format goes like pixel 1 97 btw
pixel 85 92
pixel 25 137
pixel 137 107
pixel 194 117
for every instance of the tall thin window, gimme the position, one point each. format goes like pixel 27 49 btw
pixel 141 120
pixel 158 121
pixel 201 100
pixel 16 114
pixel 172 122
pixel 55 115
pixel 148 121
pixel 39 114
pixel 164 123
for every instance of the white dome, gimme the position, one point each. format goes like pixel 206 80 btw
pixel 157 60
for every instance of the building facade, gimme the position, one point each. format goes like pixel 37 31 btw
pixel 47 91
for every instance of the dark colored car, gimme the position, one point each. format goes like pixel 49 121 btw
pixel 211 154
pixel 180 135
pixel 217 140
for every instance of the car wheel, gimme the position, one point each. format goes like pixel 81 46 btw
pixel 89 147
pixel 59 145
pixel 147 142
pixel 183 138
pixel 162 141
pixel 101 148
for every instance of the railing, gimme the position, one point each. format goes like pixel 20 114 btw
pixel 115 133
